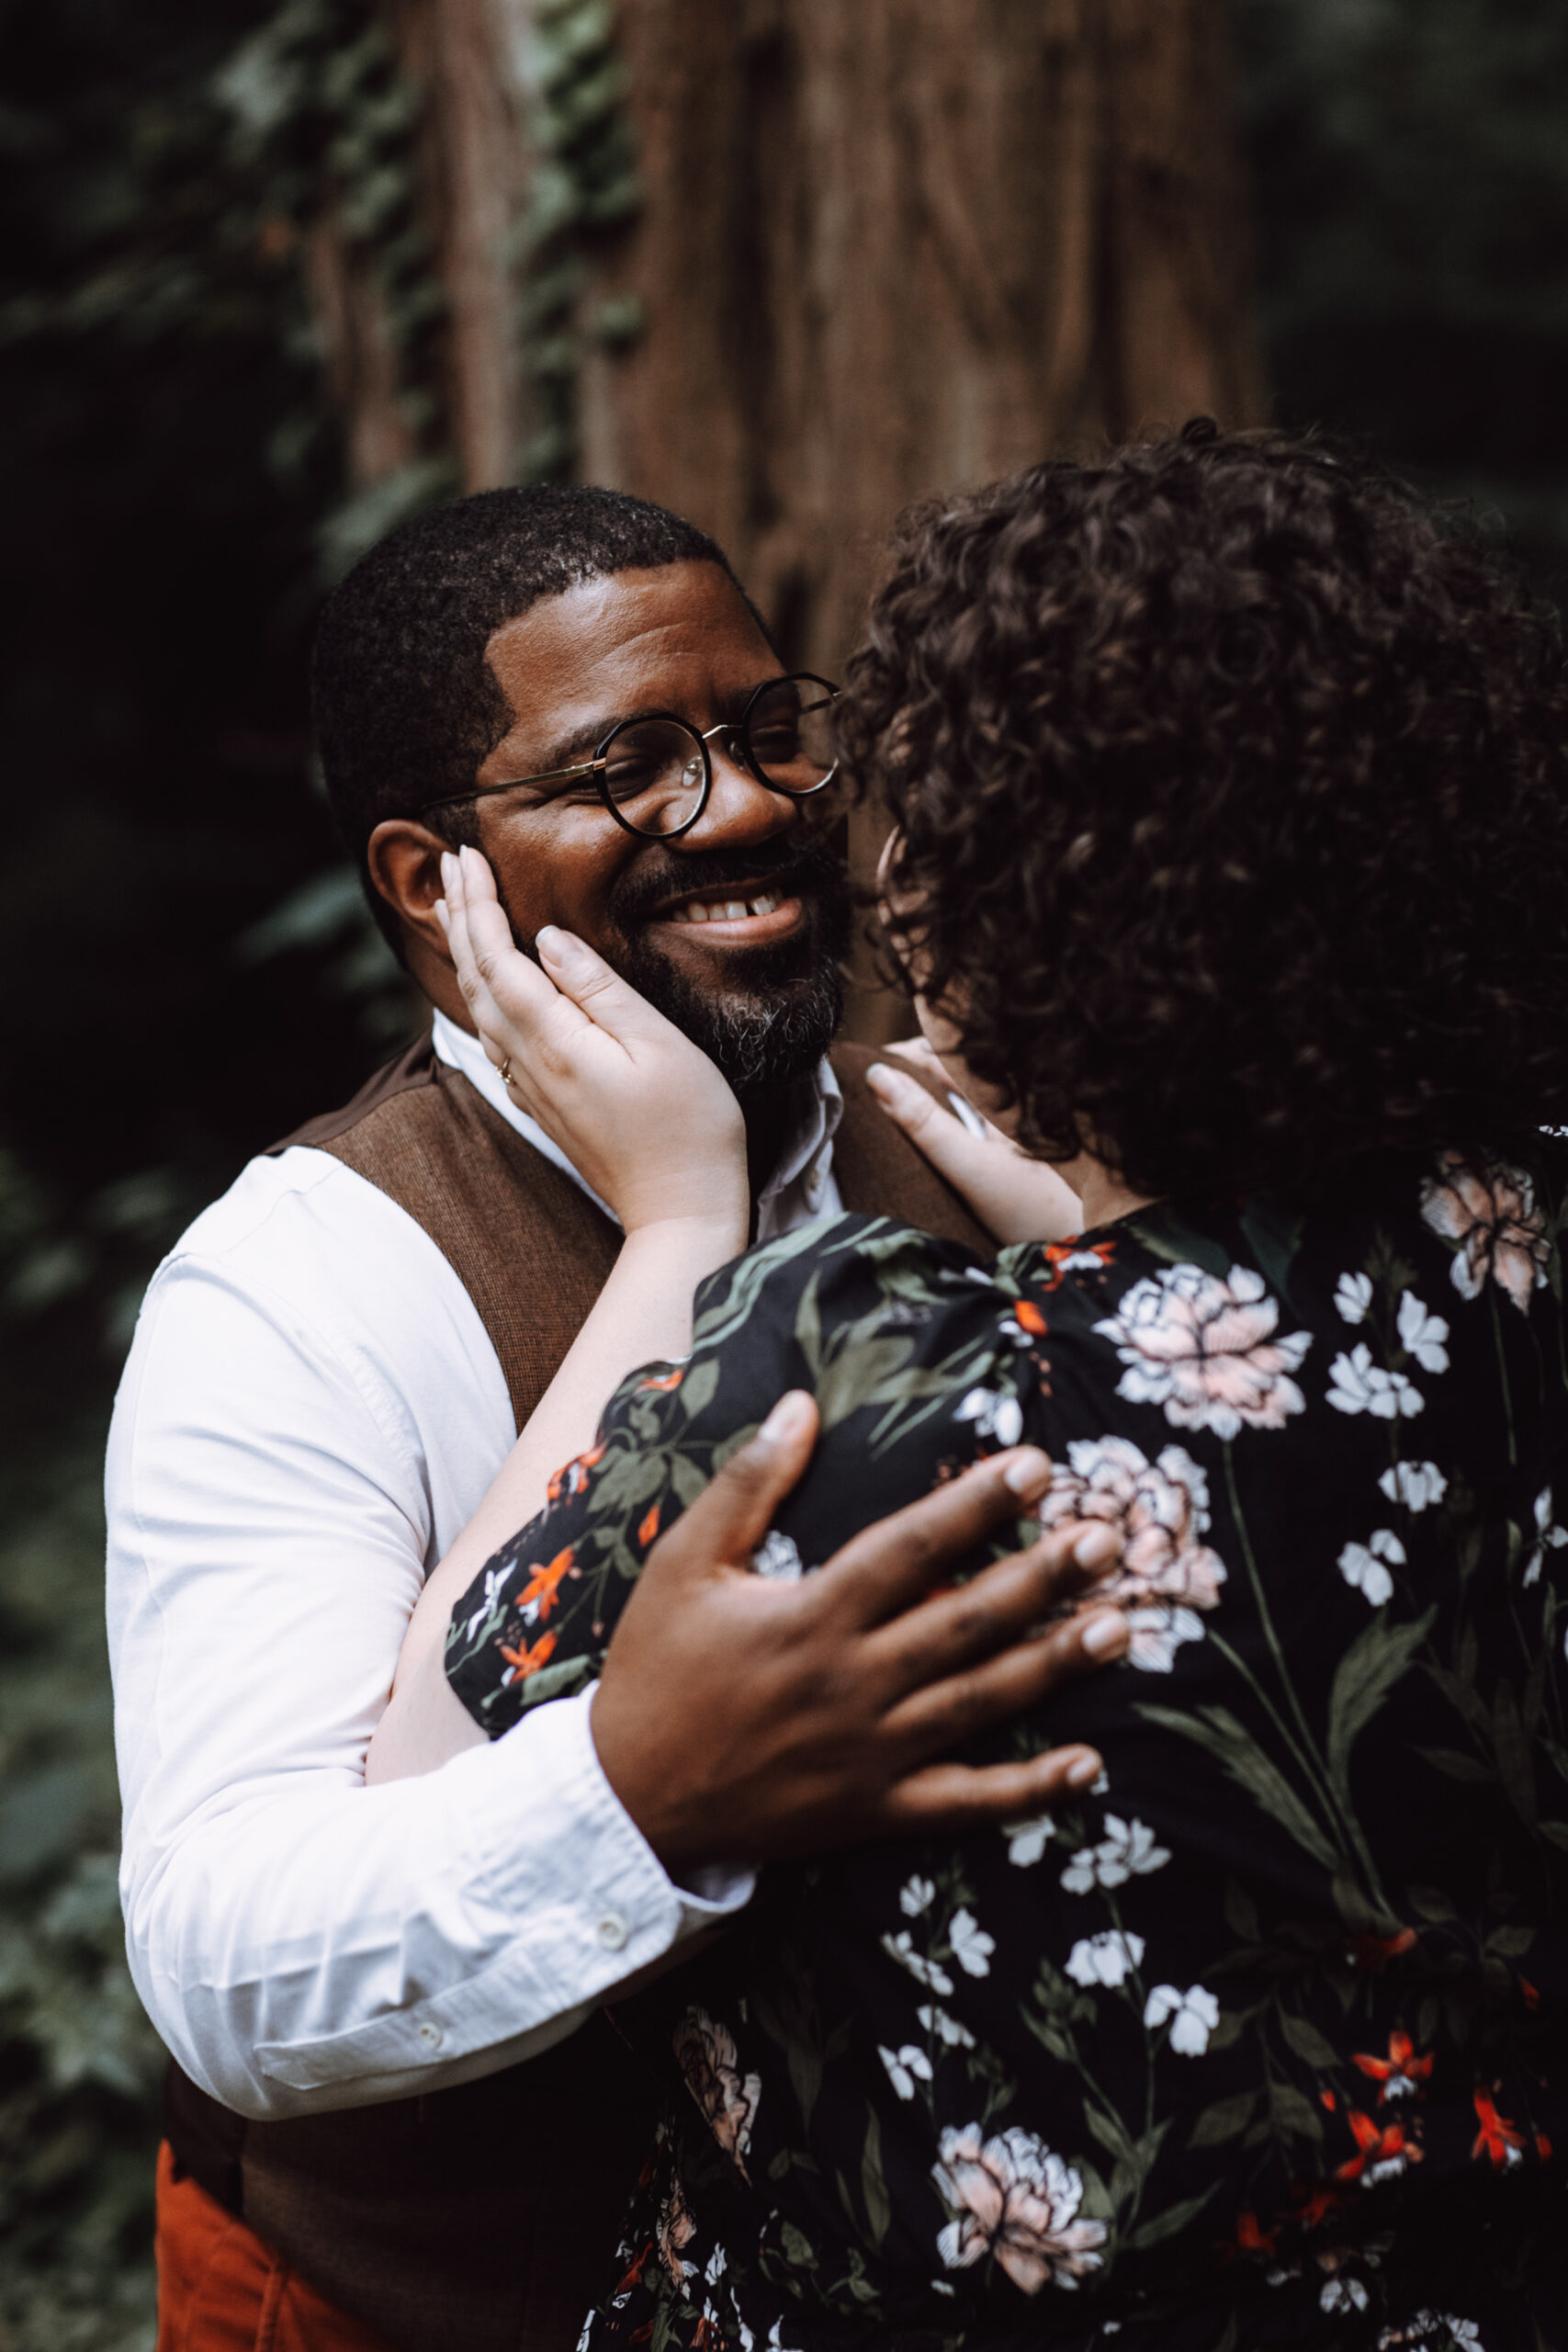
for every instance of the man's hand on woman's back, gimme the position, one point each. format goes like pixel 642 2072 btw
pixel 740 1717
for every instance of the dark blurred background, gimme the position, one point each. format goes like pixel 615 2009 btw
pixel 274 275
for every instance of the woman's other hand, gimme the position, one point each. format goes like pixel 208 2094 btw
pixel 740 1717
pixel 640 1112
pixel 1016 1198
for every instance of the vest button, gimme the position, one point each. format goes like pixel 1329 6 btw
pixel 613 1931
pixel 431 2035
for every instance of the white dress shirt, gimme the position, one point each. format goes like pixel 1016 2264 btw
pixel 310 1414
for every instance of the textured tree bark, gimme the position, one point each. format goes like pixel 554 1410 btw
pixel 891 249
pixel 466 57
pixel 899 247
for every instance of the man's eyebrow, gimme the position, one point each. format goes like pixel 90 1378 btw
pixel 583 741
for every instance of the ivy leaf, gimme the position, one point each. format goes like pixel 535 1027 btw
pixel 1108 2130
pixel 1454 1766
pixel 1274 1235
pixel 1293 2112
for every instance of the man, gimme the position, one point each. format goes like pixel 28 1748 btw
pixel 328 1373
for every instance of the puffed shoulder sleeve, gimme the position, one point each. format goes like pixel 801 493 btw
pixel 858 1310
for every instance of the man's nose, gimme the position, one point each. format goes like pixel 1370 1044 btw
pixel 740 810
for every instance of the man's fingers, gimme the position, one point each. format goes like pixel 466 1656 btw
pixel 735 1509
pixel 943 1715
pixel 967 1797
pixel 994 1608
pixel 894 1562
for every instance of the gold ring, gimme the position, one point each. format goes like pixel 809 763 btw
pixel 505 1072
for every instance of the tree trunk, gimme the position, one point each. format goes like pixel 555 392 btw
pixel 893 249
pixel 900 247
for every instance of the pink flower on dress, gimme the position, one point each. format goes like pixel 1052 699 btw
pixel 1206 1351
pixel 1490 1216
pixel 677 2228
pixel 1159 1509
pixel 707 2056
pixel 1010 2197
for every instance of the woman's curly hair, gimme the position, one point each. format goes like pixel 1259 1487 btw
pixel 1232 789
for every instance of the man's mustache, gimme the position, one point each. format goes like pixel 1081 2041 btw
pixel 797 871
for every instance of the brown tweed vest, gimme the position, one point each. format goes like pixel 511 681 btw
pixel 484 2218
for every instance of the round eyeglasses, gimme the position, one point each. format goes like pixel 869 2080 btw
pixel 655 774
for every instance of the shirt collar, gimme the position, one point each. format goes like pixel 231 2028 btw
pixel 809 1139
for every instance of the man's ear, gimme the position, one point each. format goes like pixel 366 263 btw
pixel 404 860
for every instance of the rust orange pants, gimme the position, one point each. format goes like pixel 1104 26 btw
pixel 221 2290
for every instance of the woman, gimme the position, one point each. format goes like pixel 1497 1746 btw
pixel 1231 860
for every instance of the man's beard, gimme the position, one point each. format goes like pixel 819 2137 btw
pixel 775 1010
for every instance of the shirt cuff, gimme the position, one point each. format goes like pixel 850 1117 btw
pixel 568 1900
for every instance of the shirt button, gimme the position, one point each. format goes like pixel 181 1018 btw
pixel 431 2035
pixel 613 1931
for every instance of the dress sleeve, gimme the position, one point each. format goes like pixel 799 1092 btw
pixel 880 1323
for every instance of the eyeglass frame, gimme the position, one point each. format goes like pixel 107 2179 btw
pixel 739 746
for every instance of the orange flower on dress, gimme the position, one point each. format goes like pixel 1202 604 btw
pixel 1382 2151
pixel 665 1380
pixel 649 1527
pixel 1400 2072
pixel 541 1592
pixel 1251 2237
pixel 572 1478
pixel 523 1663
pixel 1063 1258
pixel 1374 1953
pixel 1315 2205
pixel 1028 1317
pixel 1498 2140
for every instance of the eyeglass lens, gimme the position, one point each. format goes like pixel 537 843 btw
pixel 655 769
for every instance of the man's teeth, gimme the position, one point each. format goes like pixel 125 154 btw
pixel 725 910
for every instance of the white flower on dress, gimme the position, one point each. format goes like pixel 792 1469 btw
pixel 1192 2015
pixel 707 2056
pixel 778 1555
pixel 994 1415
pixel 914 1895
pixel 924 1971
pixel 1360 1386
pixel 1108 1958
pixel 1027 1841
pixel 1353 1295
pixel 972 1948
pixel 1547 1536
pixel 1206 1351
pixel 1128 1851
pixel 1158 1633
pixel 1422 1334
pixel 1342 2295
pixel 1425 2325
pixel 1413 1484
pixel 906 2067
pixel 1490 1216
pixel 1160 1509
pixel 946 2028
pixel 1010 2197
pixel 1361 1564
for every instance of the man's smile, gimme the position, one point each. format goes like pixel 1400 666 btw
pixel 735 915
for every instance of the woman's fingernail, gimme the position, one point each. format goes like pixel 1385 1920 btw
pixel 562 948
pixel 1096 1547
pixel 1087 1769
pixel 1108 1634
pixel 883 1082
pixel 1027 1475
pixel 438 909
pixel 788 1416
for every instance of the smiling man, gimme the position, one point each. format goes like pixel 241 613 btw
pixel 377 2134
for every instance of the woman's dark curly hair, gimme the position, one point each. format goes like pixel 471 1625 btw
pixel 1233 791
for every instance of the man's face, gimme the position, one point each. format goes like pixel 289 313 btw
pixel 758 989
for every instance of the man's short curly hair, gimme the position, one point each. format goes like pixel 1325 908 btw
pixel 1233 788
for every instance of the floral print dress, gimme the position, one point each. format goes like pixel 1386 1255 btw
pixel 1259 2041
